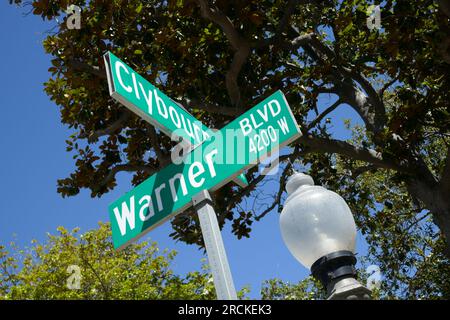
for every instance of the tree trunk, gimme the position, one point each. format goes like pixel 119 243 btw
pixel 434 200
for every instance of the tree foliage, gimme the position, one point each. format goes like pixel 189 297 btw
pixel 403 240
pixel 219 58
pixel 141 271
pixel 307 289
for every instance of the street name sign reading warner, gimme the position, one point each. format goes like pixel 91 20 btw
pixel 248 139
pixel 140 96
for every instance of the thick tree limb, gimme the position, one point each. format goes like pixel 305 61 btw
pixel 284 21
pixel 360 170
pixel 238 43
pixel 431 195
pixel 213 108
pixel 325 51
pixel 81 66
pixel 191 103
pixel 359 101
pixel 386 86
pixel 368 105
pixel 379 111
pixel 112 128
pixel 281 28
pixel 323 145
pixel 301 40
pixel 239 59
pixel 216 16
pixel 127 168
pixel 444 5
pixel 445 176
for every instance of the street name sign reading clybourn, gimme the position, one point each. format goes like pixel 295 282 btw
pixel 268 125
pixel 140 96
pixel 147 101
pixel 213 159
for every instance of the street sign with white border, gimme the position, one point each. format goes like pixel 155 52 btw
pixel 236 147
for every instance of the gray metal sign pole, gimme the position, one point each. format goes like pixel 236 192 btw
pixel 215 249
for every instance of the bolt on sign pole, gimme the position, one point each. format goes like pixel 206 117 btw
pixel 215 248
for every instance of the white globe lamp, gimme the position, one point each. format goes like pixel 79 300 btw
pixel 320 232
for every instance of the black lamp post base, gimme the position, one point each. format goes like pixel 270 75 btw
pixel 336 271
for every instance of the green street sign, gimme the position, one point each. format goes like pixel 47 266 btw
pixel 140 96
pixel 238 146
pixel 147 101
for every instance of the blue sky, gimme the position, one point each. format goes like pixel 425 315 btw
pixel 34 156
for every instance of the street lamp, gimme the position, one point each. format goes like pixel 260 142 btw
pixel 318 229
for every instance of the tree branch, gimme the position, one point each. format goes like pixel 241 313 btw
pixel 301 40
pixel 444 5
pixel 249 188
pixel 127 168
pixel 368 105
pixel 284 21
pixel 444 182
pixel 379 118
pixel 360 170
pixel 239 59
pixel 282 25
pixel 318 144
pixel 163 158
pixel 116 125
pixel 324 113
pixel 386 86
pixel 321 90
pixel 102 283
pixel 210 107
pixel 81 66
pixel 238 43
